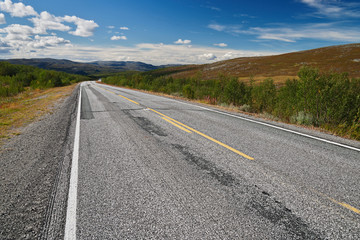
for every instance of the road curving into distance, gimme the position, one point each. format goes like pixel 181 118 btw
pixel 146 166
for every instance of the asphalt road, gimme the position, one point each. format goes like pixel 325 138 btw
pixel 153 167
pixel 150 167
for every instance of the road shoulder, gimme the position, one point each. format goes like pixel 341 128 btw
pixel 34 175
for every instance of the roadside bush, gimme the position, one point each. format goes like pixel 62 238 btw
pixel 302 118
pixel 327 100
pixel 188 91
pixel 287 100
pixel 234 92
pixel 264 96
pixel 16 78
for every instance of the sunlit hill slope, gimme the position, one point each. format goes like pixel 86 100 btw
pixel 343 58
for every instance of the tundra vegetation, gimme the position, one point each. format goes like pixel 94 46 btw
pixel 15 79
pixel 27 93
pixel 327 100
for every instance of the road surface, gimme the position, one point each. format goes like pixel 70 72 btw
pixel 146 166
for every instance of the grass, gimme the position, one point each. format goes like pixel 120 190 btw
pixel 19 111
pixel 278 80
pixel 343 58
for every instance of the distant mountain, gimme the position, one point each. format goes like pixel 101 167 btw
pixel 125 65
pixel 342 58
pixel 91 68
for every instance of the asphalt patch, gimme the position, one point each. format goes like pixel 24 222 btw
pixel 145 124
pixel 220 175
pixel 260 202
pixel 86 112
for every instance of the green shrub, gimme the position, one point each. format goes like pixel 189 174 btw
pixel 264 96
pixel 328 100
pixel 15 78
pixel 188 91
pixel 302 118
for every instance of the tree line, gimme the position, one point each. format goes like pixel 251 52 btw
pixel 14 79
pixel 327 100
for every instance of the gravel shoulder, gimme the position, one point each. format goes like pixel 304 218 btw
pixel 34 175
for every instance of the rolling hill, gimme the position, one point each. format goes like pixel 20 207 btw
pixel 91 68
pixel 342 58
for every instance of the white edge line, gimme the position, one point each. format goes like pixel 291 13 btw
pixel 70 225
pixel 284 129
pixel 266 124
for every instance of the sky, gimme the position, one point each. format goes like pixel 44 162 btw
pixel 172 31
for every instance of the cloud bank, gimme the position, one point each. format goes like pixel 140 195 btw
pixel 333 9
pixel 17 9
pixel 157 54
pixel 24 40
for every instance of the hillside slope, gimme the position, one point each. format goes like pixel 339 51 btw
pixel 343 58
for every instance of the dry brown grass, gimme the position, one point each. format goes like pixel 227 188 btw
pixel 344 58
pixel 278 80
pixel 17 112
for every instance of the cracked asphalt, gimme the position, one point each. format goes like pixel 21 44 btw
pixel 151 167
pixel 142 177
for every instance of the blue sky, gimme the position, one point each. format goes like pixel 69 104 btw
pixel 172 31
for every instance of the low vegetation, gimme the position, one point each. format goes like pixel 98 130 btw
pixel 342 58
pixel 27 93
pixel 327 100
pixel 24 108
pixel 15 79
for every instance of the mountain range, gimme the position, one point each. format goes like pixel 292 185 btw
pixel 341 58
pixel 90 68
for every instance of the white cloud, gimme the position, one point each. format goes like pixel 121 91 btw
pixel 47 41
pixel 180 41
pixel 232 29
pixel 311 31
pixel 2 18
pixel 17 32
pixel 156 54
pixel 85 28
pixel 22 41
pixel 124 28
pixel 111 27
pixel 228 55
pixel 207 56
pixel 17 9
pixel 333 8
pixel 46 21
pixel 114 38
pixel 18 40
pixel 292 33
pixel 220 44
pixel 217 27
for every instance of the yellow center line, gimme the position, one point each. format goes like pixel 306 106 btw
pixel 129 99
pixel 176 125
pixel 345 205
pixel 107 90
pixel 122 96
pixel 189 129
pixel 205 136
